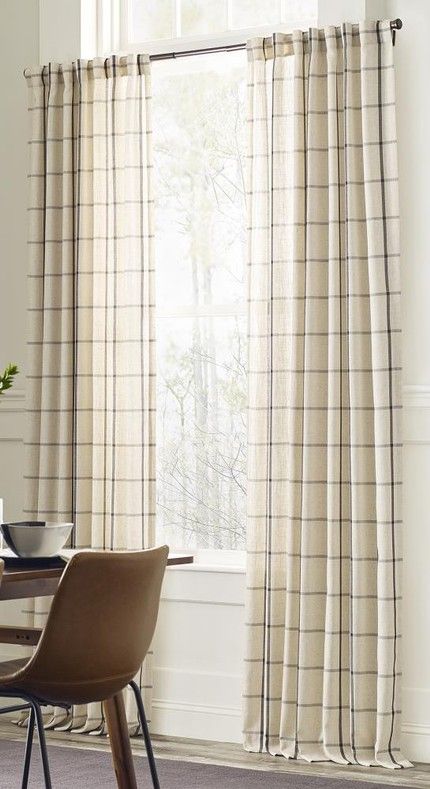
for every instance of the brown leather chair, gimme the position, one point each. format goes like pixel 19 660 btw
pixel 98 631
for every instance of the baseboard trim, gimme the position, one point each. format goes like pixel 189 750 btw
pixel 416 742
pixel 196 721
pixel 224 724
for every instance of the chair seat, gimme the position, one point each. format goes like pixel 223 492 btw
pixel 9 667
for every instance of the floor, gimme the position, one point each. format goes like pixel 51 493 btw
pixel 234 756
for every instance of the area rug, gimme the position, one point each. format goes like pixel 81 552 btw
pixel 73 768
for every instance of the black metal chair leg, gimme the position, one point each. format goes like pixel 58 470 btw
pixel 146 735
pixel 28 748
pixel 42 744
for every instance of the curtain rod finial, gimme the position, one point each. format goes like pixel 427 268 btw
pixel 396 24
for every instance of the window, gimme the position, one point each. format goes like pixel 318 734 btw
pixel 161 20
pixel 199 111
pixel 199 142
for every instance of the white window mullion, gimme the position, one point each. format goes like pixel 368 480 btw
pixel 115 32
pixel 118 35
pixel 101 25
pixel 178 17
pixel 284 9
pixel 113 21
pixel 229 14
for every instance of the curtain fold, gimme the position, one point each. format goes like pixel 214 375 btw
pixel 324 464
pixel 90 453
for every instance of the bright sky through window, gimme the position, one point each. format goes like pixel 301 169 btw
pixel 199 137
pixel 152 20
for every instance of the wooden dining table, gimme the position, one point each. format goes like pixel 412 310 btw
pixel 25 580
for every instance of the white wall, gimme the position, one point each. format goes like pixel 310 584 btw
pixel 200 639
pixel 413 98
pixel 198 654
pixel 19 47
pixel 67 29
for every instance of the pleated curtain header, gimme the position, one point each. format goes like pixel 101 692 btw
pixel 86 70
pixel 323 39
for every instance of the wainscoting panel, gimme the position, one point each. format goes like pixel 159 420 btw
pixel 416 611
pixel 12 426
pixel 416 724
pixel 198 655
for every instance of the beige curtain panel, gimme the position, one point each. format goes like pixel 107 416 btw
pixel 91 376
pixel 324 553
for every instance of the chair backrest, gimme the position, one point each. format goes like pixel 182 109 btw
pixel 99 628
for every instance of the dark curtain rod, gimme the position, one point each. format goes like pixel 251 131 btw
pixel 395 24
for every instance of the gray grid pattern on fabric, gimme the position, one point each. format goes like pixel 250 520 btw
pixel 324 463
pixel 90 449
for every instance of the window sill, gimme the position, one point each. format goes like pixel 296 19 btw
pixel 208 561
pixel 208 568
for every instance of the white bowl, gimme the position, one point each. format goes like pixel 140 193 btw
pixel 36 539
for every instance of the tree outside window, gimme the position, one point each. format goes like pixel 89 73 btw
pixel 199 137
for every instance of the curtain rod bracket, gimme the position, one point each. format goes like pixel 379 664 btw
pixel 395 24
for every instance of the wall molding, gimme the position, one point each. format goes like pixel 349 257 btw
pixel 416 728
pixel 416 427
pixel 416 415
pixel 416 396
pixel 13 402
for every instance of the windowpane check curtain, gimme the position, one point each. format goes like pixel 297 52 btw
pixel 323 663
pixel 91 399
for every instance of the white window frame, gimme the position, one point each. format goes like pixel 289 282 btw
pixel 93 27
pixel 112 32
pixel 111 37
pixel 210 558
